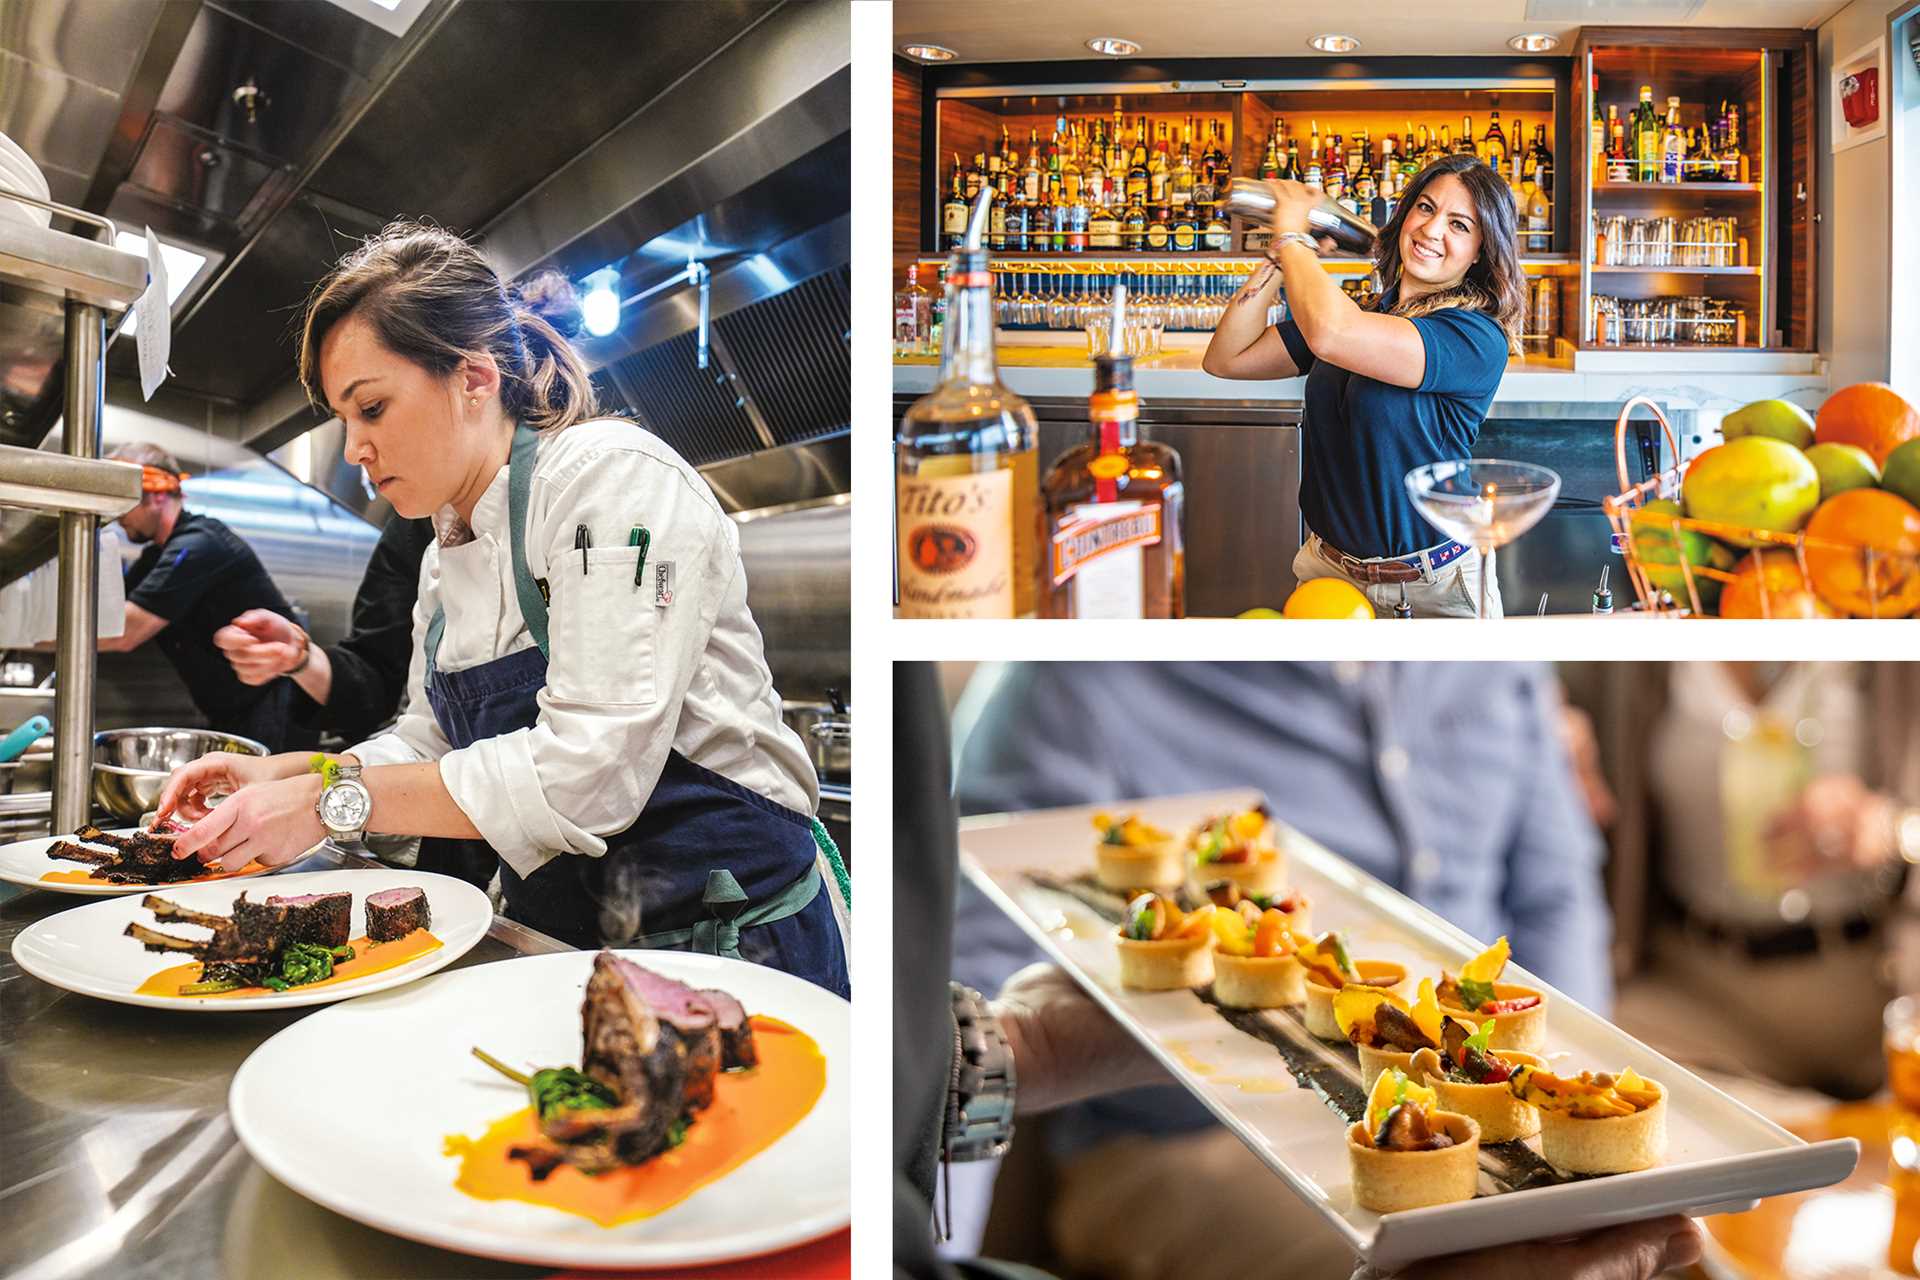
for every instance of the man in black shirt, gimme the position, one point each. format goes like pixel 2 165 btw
pixel 194 575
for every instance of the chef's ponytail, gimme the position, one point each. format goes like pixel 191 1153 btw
pixel 431 298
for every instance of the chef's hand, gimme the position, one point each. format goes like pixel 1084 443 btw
pixel 1637 1251
pixel 1836 823
pixel 261 645
pixel 1065 1047
pixel 266 822
pixel 191 788
pixel 1291 201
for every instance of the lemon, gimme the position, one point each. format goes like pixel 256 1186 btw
pixel 1328 598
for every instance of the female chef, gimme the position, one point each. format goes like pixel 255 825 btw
pixel 588 692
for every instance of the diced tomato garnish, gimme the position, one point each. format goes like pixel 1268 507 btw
pixel 1235 856
pixel 1514 1005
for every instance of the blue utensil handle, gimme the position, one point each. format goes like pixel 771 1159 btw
pixel 25 736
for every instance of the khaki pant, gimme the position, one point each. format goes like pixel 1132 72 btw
pixel 1198 1206
pixel 1809 1021
pixel 1451 591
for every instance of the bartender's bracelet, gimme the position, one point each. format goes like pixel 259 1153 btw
pixel 306 654
pixel 1300 238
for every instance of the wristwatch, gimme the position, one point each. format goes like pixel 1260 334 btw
pixel 345 804
pixel 980 1094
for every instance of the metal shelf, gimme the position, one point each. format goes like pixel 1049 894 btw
pixel 1674 271
pixel 42 481
pixel 53 263
pixel 1703 188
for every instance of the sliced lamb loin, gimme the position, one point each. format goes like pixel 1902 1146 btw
pixel 395 913
pixel 322 918
pixel 693 1019
pixel 641 1059
pixel 736 1030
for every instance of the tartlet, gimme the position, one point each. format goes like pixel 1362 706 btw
pixel 1253 961
pixel 1408 1153
pixel 1470 1078
pixel 1596 1122
pixel 1163 948
pixel 1330 969
pixel 1133 854
pixel 1384 1030
pixel 1240 848
pixel 1519 1013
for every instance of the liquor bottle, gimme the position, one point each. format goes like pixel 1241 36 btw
pixel 1270 163
pixel 1030 176
pixel 997 225
pixel 1103 228
pixel 1067 170
pixel 1539 215
pixel 1078 217
pixel 1493 144
pixel 1162 148
pixel 1314 167
pixel 1646 138
pixel 936 333
pixel 1181 188
pixel 1673 144
pixel 1365 193
pixel 1186 235
pixel 1114 508
pixel 1093 186
pixel 1540 159
pixel 1596 134
pixel 1216 234
pixel 966 480
pixel 953 218
pixel 1138 181
pixel 1291 171
pixel 1159 169
pixel 1133 231
pixel 1219 168
pixel 1733 161
pixel 912 316
pixel 1465 145
pixel 1619 159
pixel 1056 220
pixel 1159 229
pixel 1019 225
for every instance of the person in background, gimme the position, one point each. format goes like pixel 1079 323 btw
pixel 1768 827
pixel 1059 1048
pixel 352 688
pixel 1448 781
pixel 192 576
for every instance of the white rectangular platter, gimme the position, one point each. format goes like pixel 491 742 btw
pixel 1723 1157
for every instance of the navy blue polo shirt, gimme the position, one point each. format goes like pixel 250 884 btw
pixel 1360 436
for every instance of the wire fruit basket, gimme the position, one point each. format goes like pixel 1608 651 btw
pixel 1654 583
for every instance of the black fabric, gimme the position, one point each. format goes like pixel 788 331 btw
pixel 370 665
pixel 201 578
pixel 926 855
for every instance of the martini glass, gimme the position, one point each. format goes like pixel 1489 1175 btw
pixel 1483 502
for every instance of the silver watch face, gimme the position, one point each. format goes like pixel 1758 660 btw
pixel 345 806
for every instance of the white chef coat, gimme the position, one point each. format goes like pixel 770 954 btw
pixel 628 678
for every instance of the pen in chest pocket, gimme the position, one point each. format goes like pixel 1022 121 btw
pixel 582 540
pixel 640 538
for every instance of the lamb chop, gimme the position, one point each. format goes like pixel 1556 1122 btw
pixel 145 857
pixel 653 1048
pixel 256 932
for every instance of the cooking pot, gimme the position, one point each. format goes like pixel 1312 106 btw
pixel 826 728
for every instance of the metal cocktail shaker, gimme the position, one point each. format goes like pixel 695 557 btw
pixel 1251 199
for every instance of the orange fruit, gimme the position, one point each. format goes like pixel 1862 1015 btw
pixel 1328 598
pixel 1871 415
pixel 1886 522
pixel 1787 594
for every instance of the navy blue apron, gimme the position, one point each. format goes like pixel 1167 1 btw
pixel 708 866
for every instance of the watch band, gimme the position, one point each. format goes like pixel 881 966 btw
pixel 980 1096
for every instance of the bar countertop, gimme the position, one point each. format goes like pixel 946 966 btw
pixel 120 1158
pixel 1721 380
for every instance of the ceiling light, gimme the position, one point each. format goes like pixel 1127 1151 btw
pixel 1334 43
pixel 1534 42
pixel 600 309
pixel 1113 46
pixel 930 52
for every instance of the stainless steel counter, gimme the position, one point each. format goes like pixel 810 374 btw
pixel 118 1158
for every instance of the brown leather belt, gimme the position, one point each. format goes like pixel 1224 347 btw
pixel 1368 571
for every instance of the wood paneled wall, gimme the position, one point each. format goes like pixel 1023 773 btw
pixel 906 166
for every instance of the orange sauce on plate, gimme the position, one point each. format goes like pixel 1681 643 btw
pixel 750 1110
pixel 87 877
pixel 368 958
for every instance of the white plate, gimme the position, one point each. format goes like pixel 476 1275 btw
pixel 1722 1156
pixel 87 950
pixel 25 861
pixel 373 1152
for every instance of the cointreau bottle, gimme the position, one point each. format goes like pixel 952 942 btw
pixel 1114 508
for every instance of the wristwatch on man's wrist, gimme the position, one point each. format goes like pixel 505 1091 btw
pixel 345 804
pixel 979 1121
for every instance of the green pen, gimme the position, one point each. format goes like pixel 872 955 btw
pixel 639 538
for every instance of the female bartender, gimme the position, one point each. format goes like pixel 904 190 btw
pixel 588 694
pixel 1390 389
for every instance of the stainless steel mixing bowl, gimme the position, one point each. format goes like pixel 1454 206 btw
pixel 131 765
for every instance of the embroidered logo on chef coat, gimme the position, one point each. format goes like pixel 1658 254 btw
pixel 663 584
